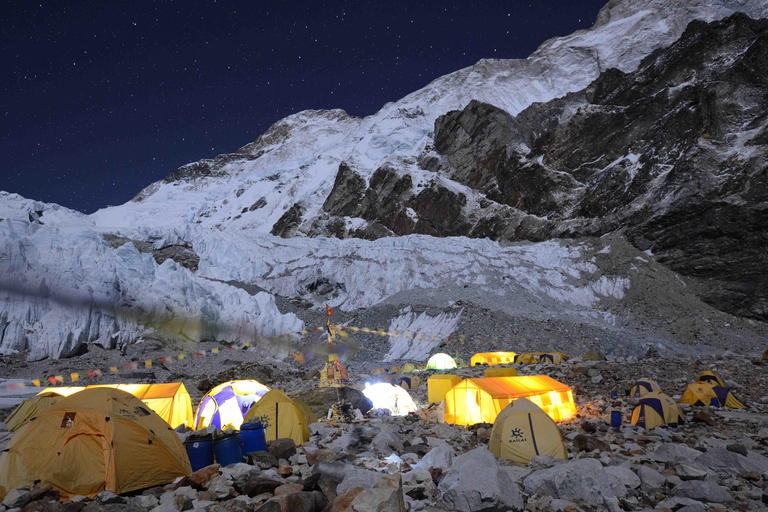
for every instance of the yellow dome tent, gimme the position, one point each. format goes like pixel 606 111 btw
pixel 480 400
pixel 701 394
pixel 438 385
pixel 527 358
pixel 522 430
pixel 390 397
pixel 170 400
pixel 410 382
pixel 642 387
pixel 552 358
pixel 657 410
pixel 31 408
pixel 395 369
pixel 408 368
pixel 97 439
pixel 492 358
pixel 281 417
pixel 378 371
pixel 441 361
pixel 710 378
pixel 502 371
pixel 63 391
pixel 226 405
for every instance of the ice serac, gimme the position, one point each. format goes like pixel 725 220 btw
pixel 63 287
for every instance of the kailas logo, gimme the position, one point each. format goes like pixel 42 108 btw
pixel 264 420
pixel 517 436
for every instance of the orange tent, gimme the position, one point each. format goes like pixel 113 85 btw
pixel 480 400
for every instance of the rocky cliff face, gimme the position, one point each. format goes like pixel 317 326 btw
pixel 673 155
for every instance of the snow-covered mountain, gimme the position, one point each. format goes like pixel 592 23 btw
pixel 267 216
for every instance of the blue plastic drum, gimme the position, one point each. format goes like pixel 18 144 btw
pixel 227 450
pixel 252 438
pixel 615 418
pixel 715 402
pixel 199 451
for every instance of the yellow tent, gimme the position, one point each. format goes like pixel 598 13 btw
pixel 30 408
pixel 522 430
pixel 440 361
pixel 94 440
pixel 390 397
pixel 699 393
pixel 281 417
pixel 169 400
pixel 308 414
pixel 492 358
pixel 657 410
pixel 225 405
pixel 527 358
pixel 63 391
pixel 410 382
pixel 439 385
pixel 502 371
pixel 642 387
pixel 378 371
pixel 480 400
pixel 408 368
pixel 552 358
pixel 395 369
pixel 710 378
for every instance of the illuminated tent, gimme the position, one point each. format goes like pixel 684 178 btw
pixel 710 378
pixel 308 414
pixel 440 361
pixel 393 398
pixel 63 391
pixel 642 387
pixel 226 405
pixel 98 439
pixel 31 408
pixel 551 358
pixel 378 371
pixel 657 410
pixel 408 368
pixel 480 400
pixel 282 417
pixel 502 371
pixel 410 382
pixel 170 400
pixel 522 430
pixel 395 369
pixel 439 385
pixel 492 358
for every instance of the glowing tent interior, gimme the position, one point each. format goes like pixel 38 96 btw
pixel 226 405
pixel 480 400
pixel 492 358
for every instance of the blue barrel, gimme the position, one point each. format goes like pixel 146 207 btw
pixel 227 450
pixel 199 451
pixel 615 418
pixel 252 438
pixel 714 402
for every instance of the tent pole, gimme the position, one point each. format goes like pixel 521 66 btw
pixel 276 424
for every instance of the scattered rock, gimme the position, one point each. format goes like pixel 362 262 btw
pixel 281 448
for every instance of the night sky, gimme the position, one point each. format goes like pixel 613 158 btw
pixel 100 99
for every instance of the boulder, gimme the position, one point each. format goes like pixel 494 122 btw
pixel 587 443
pixel 300 501
pixel 282 448
pixel 687 472
pixel 348 475
pixel 321 455
pixel 344 442
pixel 322 399
pixel 441 456
pixel 622 478
pixel 386 496
pixel 723 461
pixel 702 491
pixel 17 497
pixel 262 460
pixel 343 502
pixel 387 442
pixel 674 452
pixel 583 479
pixel 200 478
pixel 475 481
pixel 221 487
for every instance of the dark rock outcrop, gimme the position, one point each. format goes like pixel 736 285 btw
pixel 181 254
pixel 287 224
